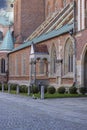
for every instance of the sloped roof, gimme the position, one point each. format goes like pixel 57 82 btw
pixel 58 24
pixel 54 22
pixel 46 36
pixel 7 44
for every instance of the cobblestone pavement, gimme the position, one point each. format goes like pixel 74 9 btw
pixel 23 113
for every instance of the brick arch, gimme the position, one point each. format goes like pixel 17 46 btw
pixel 82 63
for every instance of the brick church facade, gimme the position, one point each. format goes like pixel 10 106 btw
pixel 50 43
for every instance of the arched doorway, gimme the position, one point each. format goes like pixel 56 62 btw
pixel 85 70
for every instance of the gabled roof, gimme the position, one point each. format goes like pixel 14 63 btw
pixel 7 44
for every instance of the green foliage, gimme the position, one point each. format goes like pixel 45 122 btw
pixel 5 86
pixel 23 89
pixel 51 90
pixel 82 90
pixel 35 89
pixel 45 89
pixel 13 86
pixel 73 90
pixel 61 90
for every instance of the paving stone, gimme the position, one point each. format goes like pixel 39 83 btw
pixel 25 113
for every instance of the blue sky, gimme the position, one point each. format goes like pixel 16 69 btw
pixel 2 3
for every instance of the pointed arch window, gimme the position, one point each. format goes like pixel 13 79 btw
pixel 2 65
pixel 68 57
pixel 53 60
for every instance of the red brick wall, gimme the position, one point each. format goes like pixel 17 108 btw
pixel 51 3
pixel 49 44
pixel 28 15
pixel 67 81
pixel 12 63
pixel 81 40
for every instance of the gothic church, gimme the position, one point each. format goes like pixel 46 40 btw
pixel 46 42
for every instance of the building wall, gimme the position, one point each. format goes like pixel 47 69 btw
pixel 59 43
pixel 19 66
pixel 59 78
pixel 27 17
pixel 52 6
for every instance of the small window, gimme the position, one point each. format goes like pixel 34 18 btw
pixel 2 65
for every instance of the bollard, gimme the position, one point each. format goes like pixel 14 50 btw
pixel 17 89
pixel 28 90
pixel 42 92
pixel 9 88
pixel 2 87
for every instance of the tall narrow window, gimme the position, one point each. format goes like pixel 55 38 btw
pixel 53 60
pixel 32 67
pixel 68 57
pixel 24 64
pixel 70 64
pixel 41 67
pixel 16 65
pixel 2 65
